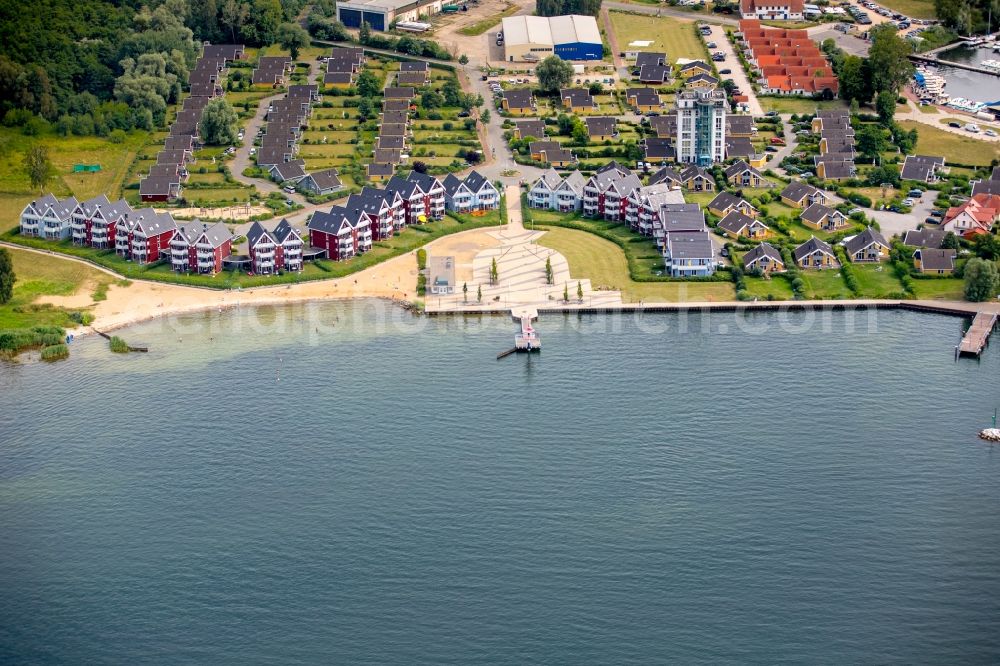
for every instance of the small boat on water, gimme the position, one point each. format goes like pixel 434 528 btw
pixel 963 104
pixel 992 65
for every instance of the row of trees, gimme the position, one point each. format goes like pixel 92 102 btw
pixel 562 7
pixel 968 16
pixel 878 77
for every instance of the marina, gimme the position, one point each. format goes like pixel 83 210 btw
pixel 969 70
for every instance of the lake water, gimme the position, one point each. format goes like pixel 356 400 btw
pixel 964 83
pixel 347 484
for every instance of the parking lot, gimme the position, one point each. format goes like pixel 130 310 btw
pixel 851 44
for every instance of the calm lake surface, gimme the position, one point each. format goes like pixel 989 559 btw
pixel 346 484
pixel 970 85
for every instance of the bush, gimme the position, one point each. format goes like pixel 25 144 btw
pixel 117 136
pixel 118 345
pixel 55 352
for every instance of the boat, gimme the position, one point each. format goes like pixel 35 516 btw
pixel 991 65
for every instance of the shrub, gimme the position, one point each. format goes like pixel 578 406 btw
pixel 118 345
pixel 55 352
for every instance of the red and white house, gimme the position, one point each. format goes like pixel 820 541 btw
pixel 200 248
pixel 141 235
pixel 975 216
pixel 606 193
pixel 417 204
pixel 385 209
pixel 334 233
pixel 643 205
pixel 95 222
pixel 434 199
pixel 274 251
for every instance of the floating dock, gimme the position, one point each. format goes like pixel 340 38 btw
pixel 978 335
pixel 527 340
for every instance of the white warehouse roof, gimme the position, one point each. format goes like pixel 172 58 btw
pixel 550 30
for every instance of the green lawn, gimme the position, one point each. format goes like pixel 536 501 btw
pixel 604 264
pixel 953 147
pixel 825 284
pixel 42 275
pixel 793 104
pixel 921 9
pixel 877 281
pixel 777 288
pixel 114 158
pixel 675 36
pixel 951 289
pixel 482 26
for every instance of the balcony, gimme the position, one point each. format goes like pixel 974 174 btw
pixel 204 246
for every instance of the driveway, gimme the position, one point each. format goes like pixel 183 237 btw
pixel 899 223
pixel 738 75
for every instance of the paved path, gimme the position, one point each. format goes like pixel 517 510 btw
pixel 732 62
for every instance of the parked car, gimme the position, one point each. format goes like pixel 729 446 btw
pixel 972 127
pixel 725 71
pixel 917 193
pixel 937 213
pixel 289 202
pixel 989 132
pixel 771 114
pixel 712 45
pixel 771 149
pixel 954 124
pixel 289 188
pixel 777 141
pixel 932 220
pixel 908 202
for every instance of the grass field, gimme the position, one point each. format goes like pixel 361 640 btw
pixel 921 9
pixel 675 36
pixel 604 264
pixel 939 288
pixel 64 152
pixel 877 281
pixel 42 275
pixel 825 284
pixel 794 104
pixel 778 288
pixel 953 147
pixel 480 27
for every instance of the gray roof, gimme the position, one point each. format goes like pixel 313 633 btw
pixel 682 217
pixel 575 182
pixel 866 238
pixel 735 222
pixel 411 78
pixel 414 66
pixel 549 178
pixel 797 191
pixel 739 146
pixel 599 125
pixel 400 93
pixel 811 246
pixel 932 238
pixel 654 73
pixel 725 200
pixel 391 105
pixel 936 260
pixel 293 170
pixel 375 169
pixel 326 179
pixel 658 148
pixel 531 127
pixel 985 187
pixel 739 167
pixel 761 251
pixel 739 124
pixel 690 245
pixel 651 58
pixel 816 212
pixel 708 78
pixel 578 97
pixel 553 150
pixel 920 167
pixel 519 98
pixel 256 233
pixel 665 175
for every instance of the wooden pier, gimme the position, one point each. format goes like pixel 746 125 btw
pixel 978 335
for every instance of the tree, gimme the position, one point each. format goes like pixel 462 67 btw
pixel 548 270
pixel 420 167
pixel 368 84
pixel 485 116
pixel 981 280
pixel 366 109
pixel 465 292
pixel 494 275
pixel 885 106
pixel 579 134
pixel 579 291
pixel 479 293
pixel 561 7
pixel 987 246
pixel 365 32
pixel 855 79
pixel 291 36
pixel 566 292
pixel 219 123
pixel 38 167
pixel 7 277
pixel 950 241
pixel 871 140
pixel 431 99
pixel 463 60
pixel 889 59
pixel 234 16
pixel 554 73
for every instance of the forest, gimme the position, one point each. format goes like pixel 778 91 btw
pixel 93 66
pixel 968 17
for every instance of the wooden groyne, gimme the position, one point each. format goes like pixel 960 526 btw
pixel 131 348
pixel 978 335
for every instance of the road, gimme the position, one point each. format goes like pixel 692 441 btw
pixel 732 62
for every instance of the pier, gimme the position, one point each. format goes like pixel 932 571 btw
pixel 930 59
pixel 527 340
pixel 978 335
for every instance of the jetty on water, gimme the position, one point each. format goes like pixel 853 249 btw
pixel 527 340
pixel 978 335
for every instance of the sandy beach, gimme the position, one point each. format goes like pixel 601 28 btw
pixel 395 279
